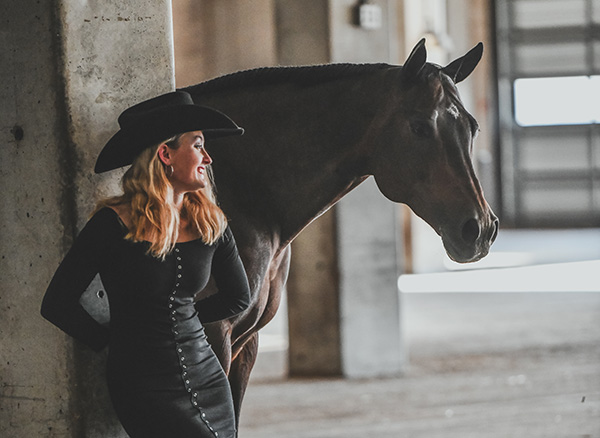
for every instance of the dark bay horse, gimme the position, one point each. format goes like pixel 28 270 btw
pixel 315 133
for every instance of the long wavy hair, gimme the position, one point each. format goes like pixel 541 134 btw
pixel 154 217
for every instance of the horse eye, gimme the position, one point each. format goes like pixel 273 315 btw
pixel 421 128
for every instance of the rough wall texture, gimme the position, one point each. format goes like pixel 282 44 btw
pixel 35 361
pixel 67 70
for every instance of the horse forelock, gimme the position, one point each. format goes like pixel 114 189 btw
pixel 301 75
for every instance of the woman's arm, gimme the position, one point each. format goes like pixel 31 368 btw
pixel 61 304
pixel 233 294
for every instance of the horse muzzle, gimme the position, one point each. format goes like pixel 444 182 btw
pixel 471 241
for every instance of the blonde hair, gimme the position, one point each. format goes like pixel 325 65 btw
pixel 154 217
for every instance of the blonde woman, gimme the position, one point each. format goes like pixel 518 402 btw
pixel 155 247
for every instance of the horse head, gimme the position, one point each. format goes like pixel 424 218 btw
pixel 423 157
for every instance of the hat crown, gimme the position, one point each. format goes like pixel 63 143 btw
pixel 134 115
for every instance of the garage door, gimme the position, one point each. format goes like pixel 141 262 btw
pixel 549 101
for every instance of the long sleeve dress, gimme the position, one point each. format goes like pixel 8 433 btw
pixel 163 377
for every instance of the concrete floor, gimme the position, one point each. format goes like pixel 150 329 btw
pixel 498 361
pixel 481 365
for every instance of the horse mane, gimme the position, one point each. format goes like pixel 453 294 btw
pixel 300 75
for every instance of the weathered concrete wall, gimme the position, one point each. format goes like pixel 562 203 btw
pixel 67 70
pixel 35 361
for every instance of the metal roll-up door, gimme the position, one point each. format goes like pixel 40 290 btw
pixel 549 111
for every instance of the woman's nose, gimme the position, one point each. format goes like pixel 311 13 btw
pixel 206 158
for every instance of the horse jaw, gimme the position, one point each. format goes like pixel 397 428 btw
pixel 467 232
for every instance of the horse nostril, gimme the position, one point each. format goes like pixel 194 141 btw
pixel 496 224
pixel 471 231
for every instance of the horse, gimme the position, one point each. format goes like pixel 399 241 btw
pixel 312 134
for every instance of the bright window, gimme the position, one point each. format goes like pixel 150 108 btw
pixel 557 101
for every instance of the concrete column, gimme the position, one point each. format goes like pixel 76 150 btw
pixel 313 298
pixel 344 309
pixel 68 70
pixel 35 361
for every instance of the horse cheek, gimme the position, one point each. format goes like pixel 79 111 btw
pixel 390 176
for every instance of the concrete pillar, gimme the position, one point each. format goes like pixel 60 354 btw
pixel 68 70
pixel 35 363
pixel 344 309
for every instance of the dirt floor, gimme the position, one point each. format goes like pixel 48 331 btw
pixel 505 365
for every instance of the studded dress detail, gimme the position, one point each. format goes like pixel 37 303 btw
pixel 163 377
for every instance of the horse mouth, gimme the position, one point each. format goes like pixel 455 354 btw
pixel 465 254
pixel 463 250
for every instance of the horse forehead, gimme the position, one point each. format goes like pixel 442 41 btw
pixel 451 103
pixel 453 110
pixel 444 96
pixel 444 101
pixel 429 97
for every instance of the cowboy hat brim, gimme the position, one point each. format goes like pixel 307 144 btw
pixel 158 125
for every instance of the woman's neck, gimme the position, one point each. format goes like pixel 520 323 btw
pixel 178 200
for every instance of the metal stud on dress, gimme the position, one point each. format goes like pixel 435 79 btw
pixel 186 381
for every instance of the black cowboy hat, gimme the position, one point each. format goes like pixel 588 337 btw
pixel 158 119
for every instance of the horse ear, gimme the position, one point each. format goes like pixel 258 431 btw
pixel 460 68
pixel 415 61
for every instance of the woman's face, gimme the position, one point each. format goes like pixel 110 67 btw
pixel 189 162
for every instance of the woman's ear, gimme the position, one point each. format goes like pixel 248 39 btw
pixel 163 154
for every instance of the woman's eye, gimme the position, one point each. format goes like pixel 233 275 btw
pixel 421 129
pixel 199 145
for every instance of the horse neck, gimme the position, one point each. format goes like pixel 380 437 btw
pixel 304 149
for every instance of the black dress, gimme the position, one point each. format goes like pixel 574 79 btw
pixel 163 377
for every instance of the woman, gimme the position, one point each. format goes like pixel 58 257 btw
pixel 155 247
